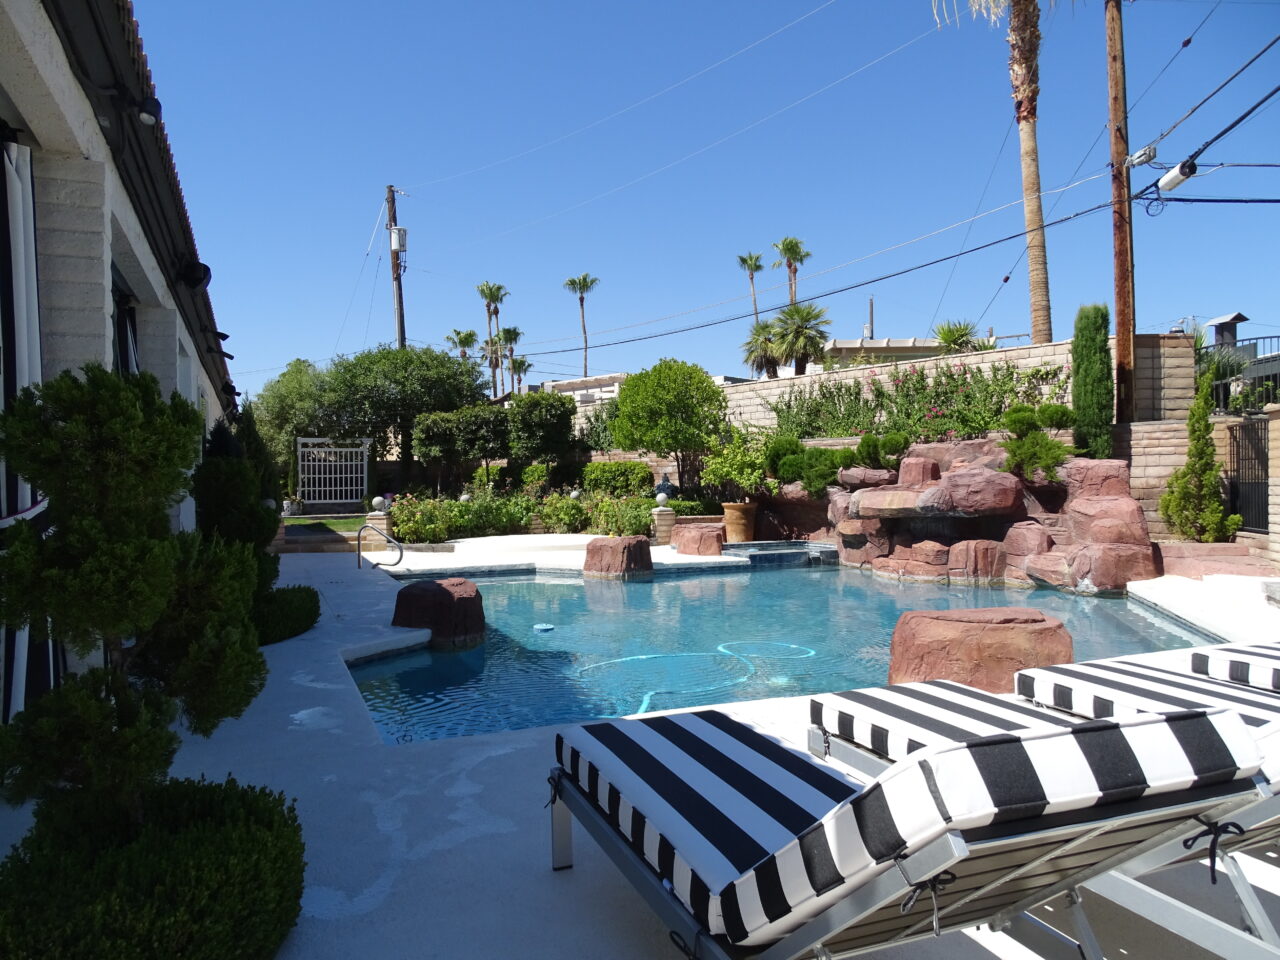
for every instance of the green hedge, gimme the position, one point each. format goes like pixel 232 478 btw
pixel 286 612
pixel 629 479
pixel 213 873
pixel 417 519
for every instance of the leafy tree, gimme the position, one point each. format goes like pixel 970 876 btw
pixel 1193 505
pixel 378 394
pixel 738 467
pixel 483 433
pixel 165 616
pixel 760 351
pixel 798 334
pixel 1092 381
pixel 581 286
pixel 792 255
pixel 541 427
pixel 597 428
pixel 1024 76
pixel 289 407
pixel 751 263
pixel 259 457
pixel 673 409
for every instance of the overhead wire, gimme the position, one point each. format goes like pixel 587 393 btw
pixel 1185 43
pixel 364 261
pixel 627 109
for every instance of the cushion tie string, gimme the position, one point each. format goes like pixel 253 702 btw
pixel 554 781
pixel 934 885
pixel 1215 831
pixel 826 741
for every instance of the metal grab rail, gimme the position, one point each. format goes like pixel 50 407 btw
pixel 385 536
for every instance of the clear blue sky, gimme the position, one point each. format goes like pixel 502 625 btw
pixel 289 118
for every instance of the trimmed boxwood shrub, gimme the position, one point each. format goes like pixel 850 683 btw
pixel 621 517
pixel 561 513
pixel 628 479
pixel 286 612
pixel 778 449
pixel 213 873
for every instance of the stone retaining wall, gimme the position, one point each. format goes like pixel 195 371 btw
pixel 1165 382
pixel 1154 451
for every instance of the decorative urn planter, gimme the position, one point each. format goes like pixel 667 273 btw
pixel 739 522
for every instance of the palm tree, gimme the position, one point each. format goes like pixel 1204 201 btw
pixel 792 253
pixel 760 352
pixel 462 341
pixel 493 351
pixel 582 286
pixel 799 334
pixel 492 294
pixel 519 367
pixel 508 337
pixel 750 262
pixel 1024 76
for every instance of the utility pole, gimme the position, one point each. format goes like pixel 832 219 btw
pixel 1121 214
pixel 397 263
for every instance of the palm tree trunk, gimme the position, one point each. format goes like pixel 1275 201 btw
pixel 1024 75
pixel 792 270
pixel 582 313
pixel 751 278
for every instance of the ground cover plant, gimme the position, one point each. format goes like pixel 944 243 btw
pixel 166 619
pixel 954 402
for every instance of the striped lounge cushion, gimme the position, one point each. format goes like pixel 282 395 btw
pixel 1254 665
pixel 899 719
pixel 755 838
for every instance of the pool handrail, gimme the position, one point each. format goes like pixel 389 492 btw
pixel 385 536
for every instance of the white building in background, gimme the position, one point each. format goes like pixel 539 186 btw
pixel 97 258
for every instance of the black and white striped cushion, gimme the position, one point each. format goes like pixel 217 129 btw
pixel 755 838
pixel 897 720
pixel 1253 665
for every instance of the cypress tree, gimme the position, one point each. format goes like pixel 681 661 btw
pixel 1092 381
pixel 1193 505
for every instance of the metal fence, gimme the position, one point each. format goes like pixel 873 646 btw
pixel 329 472
pixel 1247 472
pixel 1246 374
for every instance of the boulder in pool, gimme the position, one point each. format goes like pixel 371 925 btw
pixel 698 539
pixel 618 558
pixel 452 609
pixel 983 648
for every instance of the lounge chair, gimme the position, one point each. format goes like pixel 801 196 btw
pixel 747 847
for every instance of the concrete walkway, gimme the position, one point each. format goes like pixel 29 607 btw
pixel 1232 608
pixel 440 849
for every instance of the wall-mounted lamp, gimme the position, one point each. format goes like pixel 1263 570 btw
pixel 195 274
pixel 229 389
pixel 148 111
pixel 221 335
pixel 222 353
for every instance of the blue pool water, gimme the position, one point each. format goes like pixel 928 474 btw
pixel 620 648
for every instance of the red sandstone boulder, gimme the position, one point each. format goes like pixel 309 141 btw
pixel 983 648
pixel 1095 478
pixel 1106 520
pixel 974 492
pixel 1026 539
pixel 1014 575
pixel 1092 568
pixel 946 454
pixel 452 609
pixel 857 478
pixel 930 551
pixel 619 558
pixel 861 541
pixel 884 503
pixel 976 561
pixel 1051 569
pixel 917 471
pixel 698 539
pixel 837 505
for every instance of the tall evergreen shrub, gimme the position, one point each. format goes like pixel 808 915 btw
pixel 1193 505
pixel 1093 391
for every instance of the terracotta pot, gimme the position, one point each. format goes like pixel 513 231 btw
pixel 739 522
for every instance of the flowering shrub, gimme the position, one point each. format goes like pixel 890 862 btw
pixel 422 520
pixel 956 401
pixel 561 513
pixel 620 516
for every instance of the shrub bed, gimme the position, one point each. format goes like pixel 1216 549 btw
pixel 213 873
pixel 628 479
pixel 285 612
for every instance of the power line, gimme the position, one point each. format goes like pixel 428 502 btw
pixel 845 289
pixel 701 150
pixel 364 262
pixel 1185 43
pixel 617 113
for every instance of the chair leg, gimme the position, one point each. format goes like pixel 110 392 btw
pixel 1255 918
pixel 561 836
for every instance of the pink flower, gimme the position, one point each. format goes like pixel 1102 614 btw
pixel 897 381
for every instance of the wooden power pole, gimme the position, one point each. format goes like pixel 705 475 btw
pixel 397 264
pixel 1121 214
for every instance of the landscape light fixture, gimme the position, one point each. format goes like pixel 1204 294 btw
pixel 1176 176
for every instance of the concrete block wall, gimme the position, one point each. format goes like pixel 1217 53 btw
pixel 1154 449
pixel 74 259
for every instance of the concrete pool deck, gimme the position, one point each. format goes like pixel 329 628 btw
pixel 441 848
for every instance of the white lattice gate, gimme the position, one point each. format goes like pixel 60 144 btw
pixel 329 472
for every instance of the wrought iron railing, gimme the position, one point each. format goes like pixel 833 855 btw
pixel 1246 374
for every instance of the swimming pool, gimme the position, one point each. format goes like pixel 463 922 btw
pixel 619 648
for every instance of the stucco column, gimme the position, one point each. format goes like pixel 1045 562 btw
pixel 664 518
